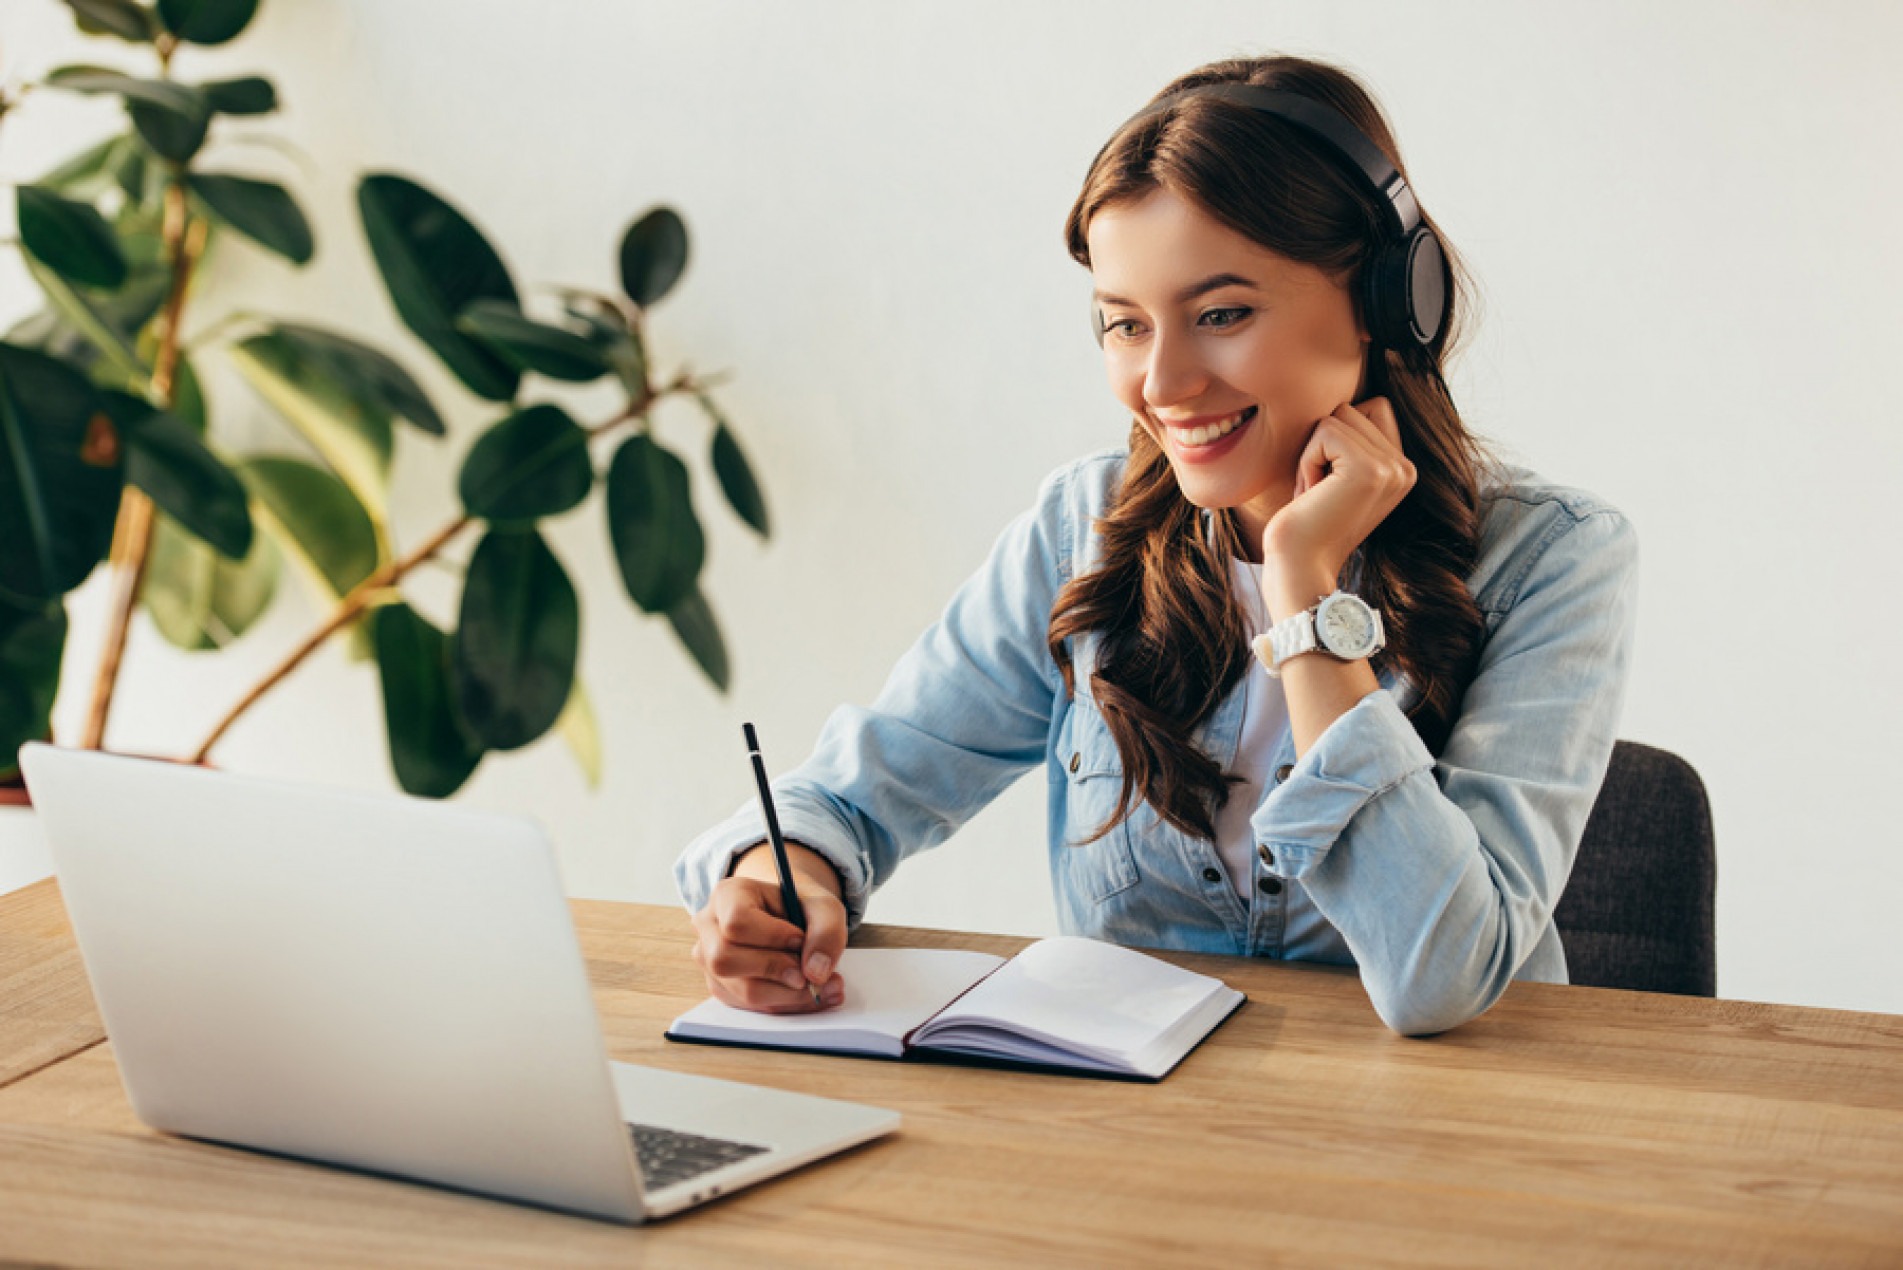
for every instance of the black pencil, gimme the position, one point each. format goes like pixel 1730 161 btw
pixel 789 898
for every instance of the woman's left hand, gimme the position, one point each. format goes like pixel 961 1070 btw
pixel 1351 475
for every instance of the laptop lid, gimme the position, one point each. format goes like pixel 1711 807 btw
pixel 375 981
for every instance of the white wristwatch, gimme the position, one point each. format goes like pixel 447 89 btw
pixel 1341 625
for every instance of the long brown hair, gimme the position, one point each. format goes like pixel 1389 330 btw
pixel 1172 636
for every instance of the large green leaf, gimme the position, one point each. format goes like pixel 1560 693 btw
pixel 32 638
pixel 262 211
pixel 527 344
pixel 141 236
pixel 188 397
pixel 364 373
pixel 327 409
pixel 653 255
pixel 657 539
pixel 60 476
pixel 435 264
pixel 206 21
pixel 89 173
pixel 165 458
pixel 516 640
pixel 132 173
pixel 122 18
pixel 118 323
pixel 198 599
pixel 699 632
pixel 94 323
pixel 165 94
pixel 532 464
pixel 578 730
pixel 170 116
pixel 250 95
pixel 69 237
pixel 171 135
pixel 432 753
pixel 316 518
pixel 736 475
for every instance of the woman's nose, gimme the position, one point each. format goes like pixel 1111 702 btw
pixel 1175 373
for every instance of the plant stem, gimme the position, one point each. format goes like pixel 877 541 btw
pixel 206 334
pixel 132 534
pixel 365 593
pixel 348 610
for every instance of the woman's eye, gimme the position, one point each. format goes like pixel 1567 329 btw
pixel 1121 328
pixel 1224 317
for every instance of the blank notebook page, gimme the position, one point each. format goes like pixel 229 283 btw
pixel 1086 996
pixel 889 991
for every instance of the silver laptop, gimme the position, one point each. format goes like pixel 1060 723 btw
pixel 386 984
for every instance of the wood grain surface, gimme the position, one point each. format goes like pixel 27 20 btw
pixel 1568 1126
pixel 46 1009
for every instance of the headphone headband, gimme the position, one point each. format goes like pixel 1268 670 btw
pixel 1333 128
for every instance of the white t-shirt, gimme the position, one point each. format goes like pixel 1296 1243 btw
pixel 1264 715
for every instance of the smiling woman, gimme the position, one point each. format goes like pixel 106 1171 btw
pixel 1401 784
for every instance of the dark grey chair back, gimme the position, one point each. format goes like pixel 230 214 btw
pixel 1637 911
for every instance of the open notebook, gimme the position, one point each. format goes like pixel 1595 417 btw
pixel 1067 1004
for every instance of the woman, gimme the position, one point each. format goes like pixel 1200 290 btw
pixel 1308 677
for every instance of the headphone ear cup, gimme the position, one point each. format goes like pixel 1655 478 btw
pixel 1405 290
pixel 1426 285
pixel 1372 292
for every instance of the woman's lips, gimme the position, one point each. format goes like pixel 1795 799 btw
pixel 1207 442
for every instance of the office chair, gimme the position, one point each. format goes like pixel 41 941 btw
pixel 1637 911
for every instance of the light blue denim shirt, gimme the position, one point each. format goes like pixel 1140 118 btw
pixel 1436 877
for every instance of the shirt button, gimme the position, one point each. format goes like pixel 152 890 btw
pixel 1270 886
pixel 1282 772
pixel 1212 875
pixel 1268 856
pixel 1075 758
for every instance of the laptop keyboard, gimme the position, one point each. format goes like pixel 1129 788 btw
pixel 668 1155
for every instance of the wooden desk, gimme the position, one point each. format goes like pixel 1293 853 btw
pixel 1569 1126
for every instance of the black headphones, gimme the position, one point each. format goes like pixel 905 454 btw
pixel 1403 287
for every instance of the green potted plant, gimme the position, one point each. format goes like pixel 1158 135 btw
pixel 110 451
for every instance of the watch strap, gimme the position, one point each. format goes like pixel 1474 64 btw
pixel 1290 637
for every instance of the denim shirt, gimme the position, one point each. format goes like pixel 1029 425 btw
pixel 1435 876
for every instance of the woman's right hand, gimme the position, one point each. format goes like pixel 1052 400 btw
pixel 752 956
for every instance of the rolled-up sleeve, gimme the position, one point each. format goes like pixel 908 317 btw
pixel 1442 874
pixel 964 713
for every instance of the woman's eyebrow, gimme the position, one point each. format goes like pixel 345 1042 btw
pixel 1214 282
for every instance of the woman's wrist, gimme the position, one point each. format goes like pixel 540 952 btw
pixel 1287 589
pixel 757 862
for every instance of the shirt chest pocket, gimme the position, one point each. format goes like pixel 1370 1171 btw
pixel 1093 766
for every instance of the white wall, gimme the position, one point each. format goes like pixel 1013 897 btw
pixel 1683 218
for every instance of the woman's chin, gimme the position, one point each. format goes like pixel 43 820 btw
pixel 1254 502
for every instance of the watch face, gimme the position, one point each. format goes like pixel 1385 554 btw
pixel 1346 627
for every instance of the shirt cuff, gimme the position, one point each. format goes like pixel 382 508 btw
pixel 710 857
pixel 1363 754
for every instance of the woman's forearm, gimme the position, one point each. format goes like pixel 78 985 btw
pixel 1318 687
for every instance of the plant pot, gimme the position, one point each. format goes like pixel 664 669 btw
pixel 13 794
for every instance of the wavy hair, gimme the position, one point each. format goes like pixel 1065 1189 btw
pixel 1171 633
